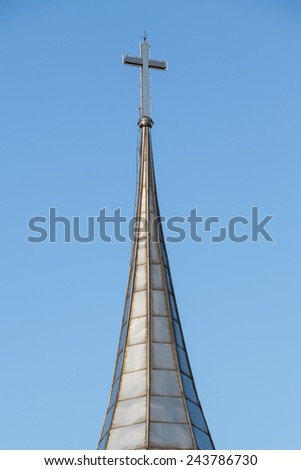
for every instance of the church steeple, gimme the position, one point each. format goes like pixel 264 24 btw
pixel 153 402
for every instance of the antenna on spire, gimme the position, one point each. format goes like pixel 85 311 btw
pixel 145 63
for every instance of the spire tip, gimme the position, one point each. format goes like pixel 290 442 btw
pixel 145 36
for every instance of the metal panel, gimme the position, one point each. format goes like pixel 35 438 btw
pixel 153 227
pixel 135 358
pixel 151 203
pixel 196 416
pixel 137 331
pixel 178 334
pixel 155 252
pixel 129 437
pixel 170 436
pixel 108 421
pixel 122 337
pixel 103 442
pixel 203 440
pixel 163 356
pixel 165 382
pixel 167 409
pixel 183 361
pixel 168 280
pixel 161 330
pixel 157 277
pixel 173 307
pixel 118 365
pixel 189 388
pixel 113 394
pixel 132 385
pixel 140 278
pixel 138 304
pixel 127 303
pixel 143 200
pixel 128 412
pixel 159 302
pixel 141 252
pixel 164 254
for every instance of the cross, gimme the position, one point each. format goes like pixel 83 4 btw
pixel 145 63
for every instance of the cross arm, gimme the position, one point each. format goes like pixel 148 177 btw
pixel 157 64
pixel 153 64
pixel 126 59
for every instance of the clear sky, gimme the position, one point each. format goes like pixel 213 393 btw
pixel 226 138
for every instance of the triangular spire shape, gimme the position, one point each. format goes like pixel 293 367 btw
pixel 153 402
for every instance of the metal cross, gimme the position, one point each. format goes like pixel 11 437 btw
pixel 145 63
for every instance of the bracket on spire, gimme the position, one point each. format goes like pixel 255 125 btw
pixel 145 63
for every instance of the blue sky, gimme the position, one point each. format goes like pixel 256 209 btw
pixel 226 138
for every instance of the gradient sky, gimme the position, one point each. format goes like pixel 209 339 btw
pixel 226 138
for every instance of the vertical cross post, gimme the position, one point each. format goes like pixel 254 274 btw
pixel 145 63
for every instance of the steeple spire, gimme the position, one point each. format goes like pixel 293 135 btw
pixel 153 402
